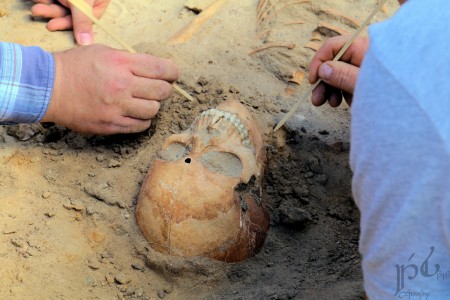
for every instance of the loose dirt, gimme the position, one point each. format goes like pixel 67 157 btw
pixel 67 201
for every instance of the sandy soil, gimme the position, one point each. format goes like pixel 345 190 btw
pixel 67 201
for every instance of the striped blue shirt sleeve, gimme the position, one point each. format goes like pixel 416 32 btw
pixel 26 82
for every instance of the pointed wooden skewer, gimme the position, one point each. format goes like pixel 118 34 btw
pixel 337 57
pixel 87 10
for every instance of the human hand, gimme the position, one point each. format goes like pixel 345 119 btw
pixel 102 90
pixel 338 77
pixel 64 16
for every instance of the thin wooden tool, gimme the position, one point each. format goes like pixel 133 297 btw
pixel 337 57
pixel 87 10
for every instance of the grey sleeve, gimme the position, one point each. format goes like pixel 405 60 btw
pixel 400 183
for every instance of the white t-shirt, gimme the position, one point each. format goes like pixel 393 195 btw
pixel 400 154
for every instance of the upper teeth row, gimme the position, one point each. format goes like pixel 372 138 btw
pixel 230 117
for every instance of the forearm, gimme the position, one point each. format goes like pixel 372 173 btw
pixel 26 83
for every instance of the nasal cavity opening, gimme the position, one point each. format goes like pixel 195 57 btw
pixel 187 160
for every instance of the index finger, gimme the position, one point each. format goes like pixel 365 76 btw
pixel 354 54
pixel 326 52
pixel 153 67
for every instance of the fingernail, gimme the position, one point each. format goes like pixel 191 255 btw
pixel 85 38
pixel 325 71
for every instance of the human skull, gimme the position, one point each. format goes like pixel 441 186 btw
pixel 202 196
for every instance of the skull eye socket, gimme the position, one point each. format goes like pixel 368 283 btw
pixel 174 151
pixel 223 163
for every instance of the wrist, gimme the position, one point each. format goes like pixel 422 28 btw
pixel 53 106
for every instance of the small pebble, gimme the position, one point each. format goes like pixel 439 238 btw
pixel 139 292
pixel 322 179
pixel 202 81
pixel 76 205
pixel 90 280
pixel 46 195
pixel 130 291
pixel 314 165
pixel 113 163
pixel 109 278
pixel 168 289
pixel 50 214
pixel 309 175
pixel 123 288
pixel 124 151
pixel 234 89
pixel 122 278
pixel 138 266
pixel 90 210
pixel 198 90
pixel 161 294
pixel 93 263
pixel 301 191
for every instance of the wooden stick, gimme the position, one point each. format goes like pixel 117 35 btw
pixel 87 10
pixel 337 57
pixel 271 45
pixel 188 32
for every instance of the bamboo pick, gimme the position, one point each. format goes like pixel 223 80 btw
pixel 87 10
pixel 337 57
pixel 187 32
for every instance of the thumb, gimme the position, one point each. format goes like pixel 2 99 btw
pixel 82 26
pixel 340 75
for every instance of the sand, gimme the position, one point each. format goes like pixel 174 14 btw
pixel 67 201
